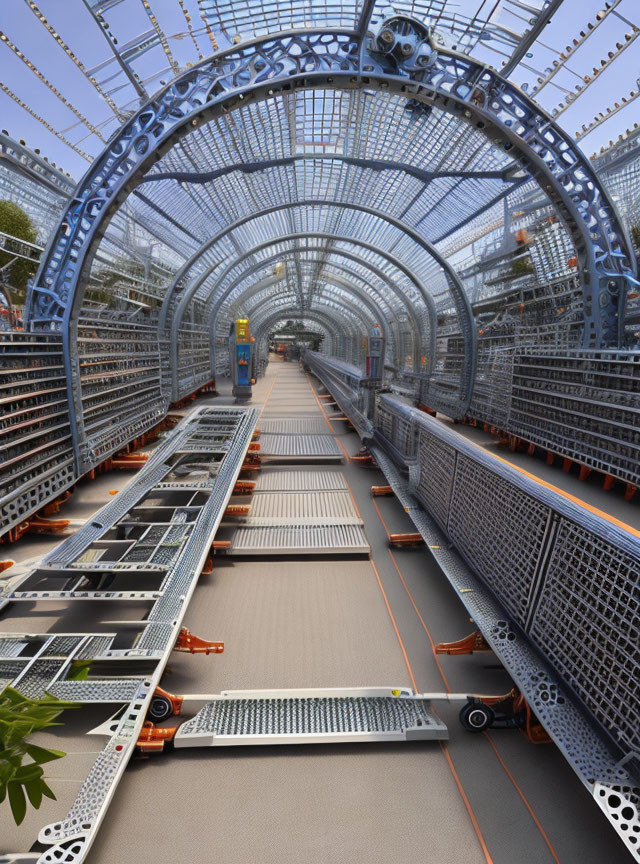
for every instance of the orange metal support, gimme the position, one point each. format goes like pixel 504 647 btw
pixel 469 645
pixel 630 491
pixel 566 465
pixel 426 410
pixel 550 457
pixel 152 738
pixel 584 473
pixel 244 487
pixel 129 460
pixel 188 643
pixel 379 491
pixel 237 510
pixel 405 539
pixel 608 483
pixel 54 506
pixel 176 701
pixel 364 457
pixel 220 545
pixel 37 525
pixel 254 447
pixel 531 449
pixel 4 565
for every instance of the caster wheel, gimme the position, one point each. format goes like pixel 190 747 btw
pixel 159 709
pixel 476 716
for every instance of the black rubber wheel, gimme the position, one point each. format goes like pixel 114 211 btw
pixel 476 716
pixel 159 709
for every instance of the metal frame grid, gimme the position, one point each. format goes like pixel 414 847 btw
pixel 553 587
pixel 220 436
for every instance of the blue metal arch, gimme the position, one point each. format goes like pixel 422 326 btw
pixel 310 59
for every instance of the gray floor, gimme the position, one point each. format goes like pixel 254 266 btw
pixel 290 623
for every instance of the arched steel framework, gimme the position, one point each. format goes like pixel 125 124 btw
pixel 406 58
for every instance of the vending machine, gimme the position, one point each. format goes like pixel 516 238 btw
pixel 241 351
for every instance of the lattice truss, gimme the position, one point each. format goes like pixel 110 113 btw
pixel 331 149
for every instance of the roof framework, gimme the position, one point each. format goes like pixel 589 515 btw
pixel 362 132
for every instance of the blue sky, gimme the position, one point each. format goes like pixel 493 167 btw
pixel 128 19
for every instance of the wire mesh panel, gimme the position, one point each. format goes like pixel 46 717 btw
pixel 437 465
pixel 587 623
pixel 499 530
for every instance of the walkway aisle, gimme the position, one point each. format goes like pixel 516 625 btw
pixel 290 622
pixel 336 621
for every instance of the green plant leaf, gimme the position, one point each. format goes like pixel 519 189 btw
pixel 17 802
pixel 34 792
pixel 40 755
pixel 46 791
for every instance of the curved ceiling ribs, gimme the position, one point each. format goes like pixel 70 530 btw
pixel 464 137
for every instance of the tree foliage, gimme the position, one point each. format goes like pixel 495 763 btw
pixel 19 779
pixel 15 222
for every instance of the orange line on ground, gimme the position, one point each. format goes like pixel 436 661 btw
pixel 446 683
pixel 567 495
pixel 327 421
pixel 424 626
pixel 467 804
pixel 353 500
pixel 395 626
pixel 264 404
pixel 384 524
pixel 537 822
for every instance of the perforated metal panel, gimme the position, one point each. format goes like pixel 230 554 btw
pixel 294 720
pixel 499 530
pixel 295 480
pixel 300 446
pixel 295 426
pixel 437 464
pixel 588 624
pixel 277 508
pixel 294 539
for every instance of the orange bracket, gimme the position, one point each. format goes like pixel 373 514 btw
pixel 254 447
pixel 37 525
pixel 244 487
pixel 152 738
pixel 470 644
pixel 237 510
pixel 220 545
pixel 54 506
pixel 191 644
pixel 405 539
pixel 176 701
pixel 4 565
pixel 379 491
pixel 364 457
pixel 255 435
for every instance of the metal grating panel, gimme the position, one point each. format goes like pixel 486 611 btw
pixel 295 426
pixel 302 446
pixel 591 589
pixel 437 465
pixel 293 480
pixel 276 508
pixel 295 720
pixel 499 530
pixel 294 540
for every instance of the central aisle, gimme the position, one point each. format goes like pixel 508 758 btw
pixel 343 621
pixel 291 622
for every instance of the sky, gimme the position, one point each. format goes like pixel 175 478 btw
pixel 128 19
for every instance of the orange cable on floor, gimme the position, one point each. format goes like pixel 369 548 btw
pixel 432 643
pixel 467 803
pixel 327 421
pixel 537 822
pixel 395 626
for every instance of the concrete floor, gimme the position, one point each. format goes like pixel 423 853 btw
pixel 333 622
